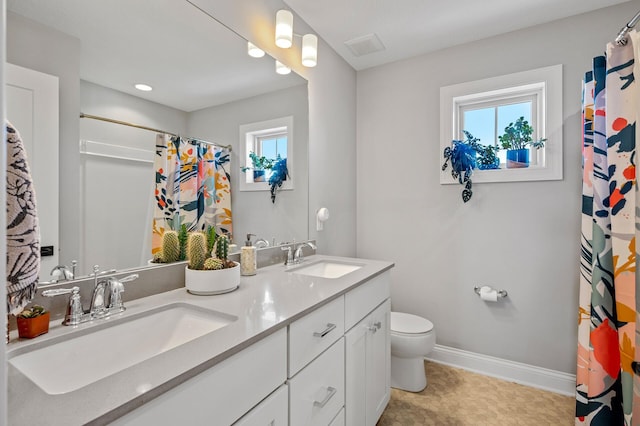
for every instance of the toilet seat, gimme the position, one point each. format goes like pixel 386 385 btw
pixel 403 323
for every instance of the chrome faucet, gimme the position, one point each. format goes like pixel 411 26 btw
pixel 99 307
pixel 298 256
pixel 289 250
pixel 261 243
pixel 63 272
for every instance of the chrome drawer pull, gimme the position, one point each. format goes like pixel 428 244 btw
pixel 330 392
pixel 324 332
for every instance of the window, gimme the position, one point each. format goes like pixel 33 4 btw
pixel 261 145
pixel 485 107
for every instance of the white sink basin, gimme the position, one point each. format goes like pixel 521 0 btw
pixel 327 269
pixel 67 364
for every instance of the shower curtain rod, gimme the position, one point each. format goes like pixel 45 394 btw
pixel 621 39
pixel 137 126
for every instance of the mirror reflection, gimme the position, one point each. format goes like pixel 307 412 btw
pixel 205 86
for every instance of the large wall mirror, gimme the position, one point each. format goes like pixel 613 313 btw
pixel 204 86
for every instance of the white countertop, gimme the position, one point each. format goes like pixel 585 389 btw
pixel 263 303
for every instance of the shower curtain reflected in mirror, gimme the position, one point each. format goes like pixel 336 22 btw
pixel 192 187
pixel 606 389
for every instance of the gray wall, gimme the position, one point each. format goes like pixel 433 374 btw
pixel 253 211
pixel 332 119
pixel 43 49
pixel 522 237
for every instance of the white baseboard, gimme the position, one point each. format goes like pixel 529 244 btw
pixel 525 374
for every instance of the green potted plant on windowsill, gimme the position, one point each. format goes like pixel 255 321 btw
pixel 516 139
pixel 259 165
pixel 487 157
pixel 463 158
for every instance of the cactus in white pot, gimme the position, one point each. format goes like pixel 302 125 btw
pixel 210 275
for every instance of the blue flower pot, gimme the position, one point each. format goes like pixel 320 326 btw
pixel 495 165
pixel 259 176
pixel 517 158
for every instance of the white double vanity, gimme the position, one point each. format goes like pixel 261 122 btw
pixel 307 345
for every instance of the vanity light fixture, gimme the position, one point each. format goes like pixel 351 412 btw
pixel 284 29
pixel 254 51
pixel 143 87
pixel 284 38
pixel 309 50
pixel 282 68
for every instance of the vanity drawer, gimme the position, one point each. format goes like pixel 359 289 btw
pixel 221 394
pixel 314 333
pixel 339 419
pixel 273 411
pixel 316 394
pixel 365 298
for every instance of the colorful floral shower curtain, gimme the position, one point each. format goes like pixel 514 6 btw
pixel 192 187
pixel 607 391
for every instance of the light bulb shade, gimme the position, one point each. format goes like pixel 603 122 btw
pixel 254 51
pixel 309 50
pixel 284 29
pixel 282 68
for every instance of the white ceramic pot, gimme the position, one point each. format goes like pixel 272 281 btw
pixel 206 283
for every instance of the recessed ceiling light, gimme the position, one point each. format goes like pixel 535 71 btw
pixel 143 87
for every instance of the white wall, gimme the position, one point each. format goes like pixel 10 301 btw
pixel 332 118
pixel 253 211
pixel 522 237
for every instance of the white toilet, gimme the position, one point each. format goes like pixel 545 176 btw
pixel 412 337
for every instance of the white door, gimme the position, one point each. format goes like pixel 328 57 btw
pixel 32 107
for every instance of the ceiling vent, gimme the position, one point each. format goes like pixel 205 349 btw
pixel 364 45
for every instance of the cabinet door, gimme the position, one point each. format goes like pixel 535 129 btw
pixel 356 374
pixel 368 366
pixel 378 363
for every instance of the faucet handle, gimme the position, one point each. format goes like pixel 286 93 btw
pixel 74 307
pixel 128 278
pixel 116 288
pixel 289 251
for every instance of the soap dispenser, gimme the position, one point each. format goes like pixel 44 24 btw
pixel 248 260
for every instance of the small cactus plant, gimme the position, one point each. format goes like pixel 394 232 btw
pixel 212 236
pixel 222 248
pixel 183 237
pixel 197 250
pixel 170 247
pixel 212 264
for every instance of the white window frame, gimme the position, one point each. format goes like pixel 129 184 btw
pixel 544 84
pixel 249 135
